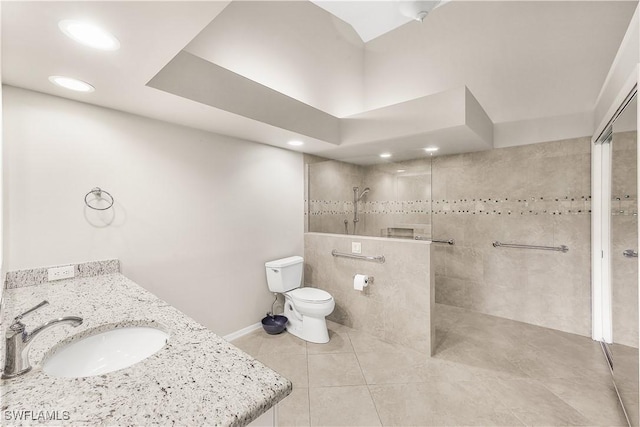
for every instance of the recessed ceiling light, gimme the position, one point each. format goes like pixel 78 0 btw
pixel 89 34
pixel 295 143
pixel 72 84
pixel 401 170
pixel 385 155
pixel 431 149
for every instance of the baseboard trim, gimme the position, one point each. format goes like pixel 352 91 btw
pixel 242 332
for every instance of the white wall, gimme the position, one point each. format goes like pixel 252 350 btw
pixel 621 79
pixel 196 214
pixel 2 264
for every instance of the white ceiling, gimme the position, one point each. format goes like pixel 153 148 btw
pixel 370 19
pixel 521 59
pixel 373 18
pixel 559 58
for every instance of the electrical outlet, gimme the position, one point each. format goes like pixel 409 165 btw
pixel 59 273
pixel 356 247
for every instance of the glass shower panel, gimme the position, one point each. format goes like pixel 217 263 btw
pixel 381 200
pixel 624 261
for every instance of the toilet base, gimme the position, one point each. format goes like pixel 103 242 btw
pixel 312 329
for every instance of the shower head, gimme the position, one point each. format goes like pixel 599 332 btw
pixel 365 191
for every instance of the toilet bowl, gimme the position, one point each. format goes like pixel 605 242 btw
pixel 306 307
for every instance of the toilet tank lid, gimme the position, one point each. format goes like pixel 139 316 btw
pixel 284 262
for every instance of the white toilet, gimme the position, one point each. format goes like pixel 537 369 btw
pixel 305 308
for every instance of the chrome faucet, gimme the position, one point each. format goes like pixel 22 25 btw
pixel 18 341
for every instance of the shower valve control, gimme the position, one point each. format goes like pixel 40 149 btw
pixel 356 247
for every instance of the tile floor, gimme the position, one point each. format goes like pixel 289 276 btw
pixel 486 371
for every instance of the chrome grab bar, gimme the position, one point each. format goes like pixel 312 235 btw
pixel 377 258
pixel 448 241
pixel 561 248
pixel 630 253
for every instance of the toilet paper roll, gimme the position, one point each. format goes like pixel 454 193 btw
pixel 360 281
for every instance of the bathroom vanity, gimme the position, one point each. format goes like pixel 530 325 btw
pixel 197 378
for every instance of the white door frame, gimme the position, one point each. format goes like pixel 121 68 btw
pixel 601 239
pixel 602 320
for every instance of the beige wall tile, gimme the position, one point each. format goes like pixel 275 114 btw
pixel 542 288
pixel 452 291
pixel 401 292
pixel 464 263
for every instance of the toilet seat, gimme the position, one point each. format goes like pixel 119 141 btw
pixel 310 295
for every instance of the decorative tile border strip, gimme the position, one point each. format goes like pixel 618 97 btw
pixel 549 205
pixel 543 205
pixel 624 205
pixel 37 276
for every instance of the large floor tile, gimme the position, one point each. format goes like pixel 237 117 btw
pixel 365 343
pixel 631 405
pixel 626 369
pixel 339 342
pixel 487 371
pixel 581 394
pixel 506 337
pixel 337 327
pixel 250 343
pixel 411 367
pixel 294 409
pixel 392 368
pixel 283 343
pixel 291 366
pixel 342 406
pixel 542 363
pixel 334 369
pixel 481 358
pixel 534 404
pixel 440 404
pixel 445 370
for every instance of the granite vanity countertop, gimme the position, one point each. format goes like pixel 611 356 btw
pixel 198 378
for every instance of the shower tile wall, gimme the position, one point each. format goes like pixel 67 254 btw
pixel 330 195
pixel 536 195
pixel 397 205
pixel 397 306
pixel 624 224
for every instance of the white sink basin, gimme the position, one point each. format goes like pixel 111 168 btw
pixel 105 352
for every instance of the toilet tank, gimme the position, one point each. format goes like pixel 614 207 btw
pixel 284 274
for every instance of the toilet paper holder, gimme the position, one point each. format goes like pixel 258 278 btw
pixel 368 281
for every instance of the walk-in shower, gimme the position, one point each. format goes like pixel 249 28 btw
pixel 391 199
pixel 533 198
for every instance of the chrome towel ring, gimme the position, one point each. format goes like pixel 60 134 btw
pixel 98 193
